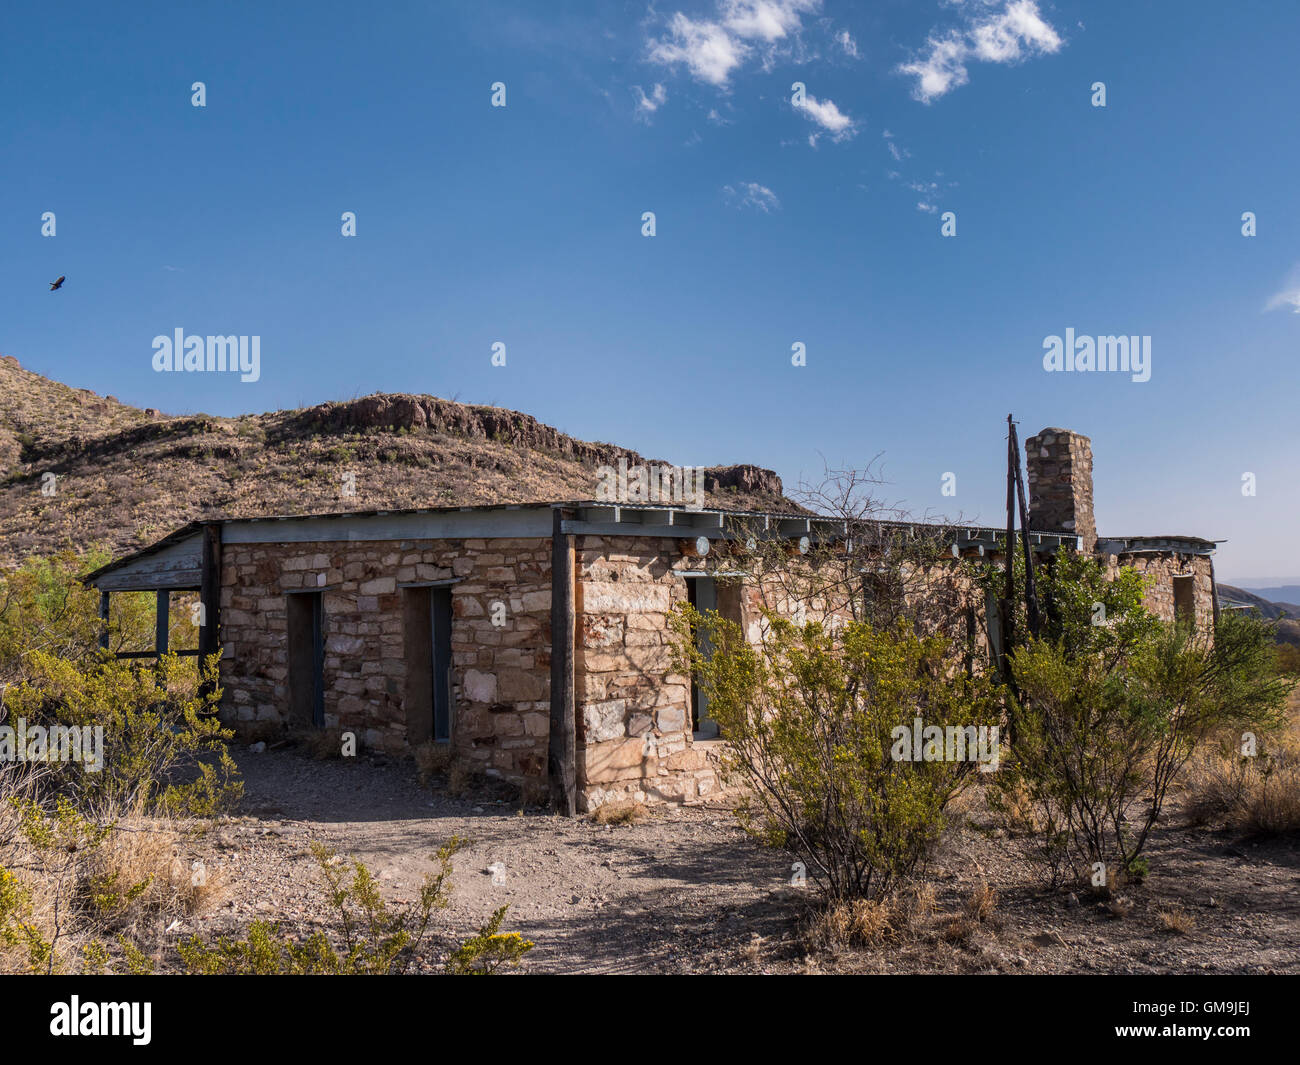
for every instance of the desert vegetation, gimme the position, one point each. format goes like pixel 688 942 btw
pixel 95 851
pixel 1104 714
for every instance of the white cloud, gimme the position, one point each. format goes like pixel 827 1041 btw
pixel 928 208
pixel 1289 296
pixel 845 40
pixel 824 112
pixel 648 105
pixel 767 20
pixel 752 194
pixel 711 49
pixel 1011 34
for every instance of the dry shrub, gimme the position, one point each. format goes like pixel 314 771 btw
pixel 983 900
pixel 1176 920
pixel 1017 811
pixel 919 904
pixel 145 852
pixel 1120 906
pixel 870 922
pixel 251 732
pixel 535 791
pixel 620 813
pixel 321 744
pixel 1255 795
pixel 432 760
pixel 461 779
pixel 958 930
pixel 78 884
pixel 1273 809
pixel 852 923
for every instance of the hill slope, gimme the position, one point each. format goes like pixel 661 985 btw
pixel 127 476
pixel 1268 608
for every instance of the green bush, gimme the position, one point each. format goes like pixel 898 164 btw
pixel 810 715
pixel 373 939
pixel 1102 733
pixel 483 954
pixel 164 748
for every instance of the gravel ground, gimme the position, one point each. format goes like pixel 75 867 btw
pixel 686 891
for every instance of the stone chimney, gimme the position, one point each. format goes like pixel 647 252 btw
pixel 1058 465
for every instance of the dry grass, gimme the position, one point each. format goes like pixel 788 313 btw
pixel 1120 906
pixel 1255 795
pixel 251 732
pixel 321 743
pixel 958 930
pixel 1017 812
pixel 85 891
pixel 147 853
pixel 1176 920
pixel 854 923
pixel 870 922
pixel 621 813
pixel 752 952
pixel 432 760
pixel 981 903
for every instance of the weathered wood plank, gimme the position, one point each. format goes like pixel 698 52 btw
pixel 562 748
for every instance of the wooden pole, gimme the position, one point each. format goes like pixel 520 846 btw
pixel 103 620
pixel 1009 596
pixel 562 749
pixel 210 600
pixel 162 601
pixel 1031 595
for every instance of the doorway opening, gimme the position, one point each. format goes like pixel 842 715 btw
pixel 306 633
pixel 427 646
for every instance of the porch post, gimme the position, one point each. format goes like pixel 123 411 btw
pixel 562 750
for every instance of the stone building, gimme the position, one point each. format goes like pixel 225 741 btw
pixel 439 625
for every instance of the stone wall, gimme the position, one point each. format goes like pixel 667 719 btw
pixel 634 711
pixel 500 673
pixel 634 724
pixel 1160 570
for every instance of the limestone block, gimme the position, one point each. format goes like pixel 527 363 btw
pixel 604 720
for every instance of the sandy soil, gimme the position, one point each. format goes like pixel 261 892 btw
pixel 686 891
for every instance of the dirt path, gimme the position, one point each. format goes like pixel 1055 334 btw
pixel 687 891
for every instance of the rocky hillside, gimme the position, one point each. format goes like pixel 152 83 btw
pixel 125 476
pixel 1267 608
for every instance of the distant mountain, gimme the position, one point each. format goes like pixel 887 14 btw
pixel 1283 593
pixel 125 476
pixel 1254 597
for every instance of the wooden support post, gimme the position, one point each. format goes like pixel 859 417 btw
pixel 210 599
pixel 103 620
pixel 1009 595
pixel 562 752
pixel 1031 595
pixel 162 600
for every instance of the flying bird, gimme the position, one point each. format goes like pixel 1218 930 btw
pixel 58 283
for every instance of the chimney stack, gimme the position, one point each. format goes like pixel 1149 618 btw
pixel 1059 470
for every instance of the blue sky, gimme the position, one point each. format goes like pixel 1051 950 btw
pixel 777 223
